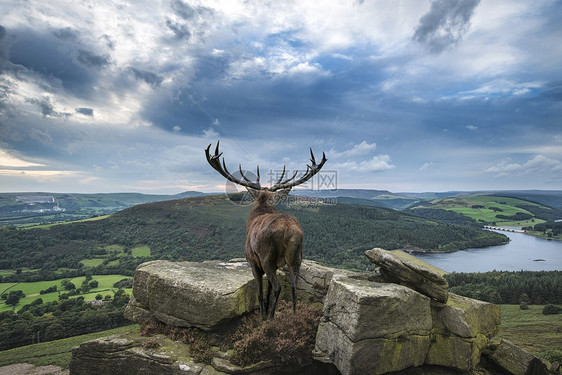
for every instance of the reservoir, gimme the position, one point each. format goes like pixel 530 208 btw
pixel 523 252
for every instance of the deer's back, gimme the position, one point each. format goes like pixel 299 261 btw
pixel 274 237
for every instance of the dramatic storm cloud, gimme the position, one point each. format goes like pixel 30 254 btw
pixel 405 96
pixel 445 24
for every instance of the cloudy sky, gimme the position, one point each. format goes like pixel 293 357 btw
pixel 112 96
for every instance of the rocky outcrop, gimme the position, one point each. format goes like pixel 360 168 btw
pixel 401 328
pixel 210 294
pixel 401 321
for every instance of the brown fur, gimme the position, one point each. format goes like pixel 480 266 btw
pixel 273 239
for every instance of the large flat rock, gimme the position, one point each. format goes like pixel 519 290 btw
pixel 186 294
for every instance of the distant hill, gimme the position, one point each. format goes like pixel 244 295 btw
pixel 550 198
pixel 381 198
pixel 43 208
pixel 213 227
pixel 401 201
pixel 40 208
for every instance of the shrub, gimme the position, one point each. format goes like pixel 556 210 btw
pixel 286 338
pixel 14 297
pixel 552 354
pixel 551 309
pixel 524 306
pixel 50 289
pixel 124 283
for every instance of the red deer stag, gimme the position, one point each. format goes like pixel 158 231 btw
pixel 273 239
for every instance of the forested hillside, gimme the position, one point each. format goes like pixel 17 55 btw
pixel 213 227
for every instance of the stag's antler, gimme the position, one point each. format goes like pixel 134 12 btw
pixel 216 164
pixel 288 183
pixel 311 170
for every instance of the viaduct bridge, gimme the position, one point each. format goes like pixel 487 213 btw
pixel 513 230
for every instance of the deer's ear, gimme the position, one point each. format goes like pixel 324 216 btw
pixel 253 192
pixel 281 194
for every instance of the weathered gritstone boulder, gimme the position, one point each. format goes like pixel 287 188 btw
pixel 373 328
pixel 462 329
pixel 405 272
pixel 466 317
pixel 186 294
pixel 514 360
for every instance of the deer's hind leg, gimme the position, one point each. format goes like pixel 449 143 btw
pixel 268 296
pixel 294 276
pixel 276 286
pixel 294 260
pixel 258 276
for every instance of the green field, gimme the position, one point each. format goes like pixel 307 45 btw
pixel 32 289
pixel 484 209
pixel 141 251
pixel 94 262
pixel 56 353
pixel 533 331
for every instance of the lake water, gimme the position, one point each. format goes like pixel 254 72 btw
pixel 519 254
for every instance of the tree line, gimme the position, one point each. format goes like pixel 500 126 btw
pixel 531 287
pixel 552 227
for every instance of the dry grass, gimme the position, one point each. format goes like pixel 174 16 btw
pixel 533 331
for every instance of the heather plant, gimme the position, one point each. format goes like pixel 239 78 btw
pixel 287 338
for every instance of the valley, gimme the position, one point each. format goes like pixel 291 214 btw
pixel 80 271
